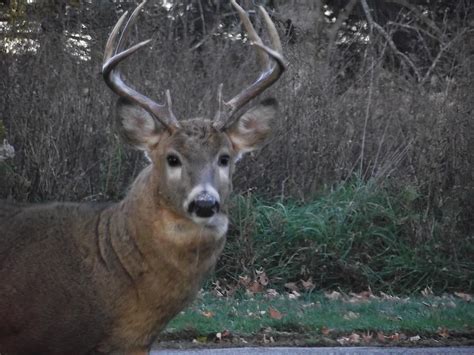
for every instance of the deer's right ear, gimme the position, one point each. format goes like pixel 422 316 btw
pixel 137 127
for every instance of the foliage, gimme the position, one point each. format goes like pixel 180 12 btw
pixel 355 236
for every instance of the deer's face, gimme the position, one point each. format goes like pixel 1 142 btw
pixel 192 167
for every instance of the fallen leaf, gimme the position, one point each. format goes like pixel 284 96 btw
pixel 294 295
pixel 333 296
pixel 343 340
pixel 231 290
pixel 262 278
pixel 325 331
pixel 443 332
pixel 464 296
pixel 394 337
pixel 354 338
pixel 255 287
pixel 226 334
pixel 271 293
pixel 207 314
pixel 217 293
pixel 308 284
pixel 381 337
pixel 367 337
pixel 268 340
pixel 244 281
pixel 220 336
pixel 387 297
pixel 292 286
pixel 217 290
pixel 415 338
pixel 274 313
pixel 201 339
pixel 427 292
pixel 361 297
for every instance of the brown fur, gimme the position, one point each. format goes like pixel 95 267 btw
pixel 107 278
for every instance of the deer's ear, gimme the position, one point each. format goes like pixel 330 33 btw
pixel 137 127
pixel 252 129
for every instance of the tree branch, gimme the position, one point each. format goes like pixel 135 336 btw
pixel 373 24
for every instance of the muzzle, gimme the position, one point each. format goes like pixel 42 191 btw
pixel 204 205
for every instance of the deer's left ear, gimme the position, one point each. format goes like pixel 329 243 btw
pixel 252 129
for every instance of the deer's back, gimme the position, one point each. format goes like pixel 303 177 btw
pixel 47 290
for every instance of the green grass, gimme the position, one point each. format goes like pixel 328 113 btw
pixel 248 315
pixel 355 236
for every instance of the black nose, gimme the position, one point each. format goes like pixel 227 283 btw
pixel 204 205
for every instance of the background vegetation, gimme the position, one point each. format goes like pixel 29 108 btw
pixel 368 180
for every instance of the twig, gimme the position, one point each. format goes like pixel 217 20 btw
pixel 369 103
pixel 373 24
pixel 413 28
pixel 419 15
pixel 438 56
pixel 367 115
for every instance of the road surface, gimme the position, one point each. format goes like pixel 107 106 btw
pixel 319 351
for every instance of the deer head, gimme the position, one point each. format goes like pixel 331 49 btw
pixel 192 160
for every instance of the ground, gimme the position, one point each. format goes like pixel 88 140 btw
pixel 290 318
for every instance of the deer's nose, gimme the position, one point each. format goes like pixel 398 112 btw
pixel 204 205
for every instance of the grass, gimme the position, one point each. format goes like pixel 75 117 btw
pixel 356 236
pixel 249 315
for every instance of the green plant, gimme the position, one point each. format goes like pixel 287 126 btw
pixel 3 132
pixel 355 236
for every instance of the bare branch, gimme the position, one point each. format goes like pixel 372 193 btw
pixel 418 14
pixel 373 24
pixel 440 53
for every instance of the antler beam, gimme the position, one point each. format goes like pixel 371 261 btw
pixel 269 74
pixel 113 55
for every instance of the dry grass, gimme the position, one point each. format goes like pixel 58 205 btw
pixel 351 111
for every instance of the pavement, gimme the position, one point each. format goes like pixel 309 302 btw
pixel 319 351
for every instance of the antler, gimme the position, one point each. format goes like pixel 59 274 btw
pixel 113 56
pixel 269 74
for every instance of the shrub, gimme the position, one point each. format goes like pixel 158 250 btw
pixel 354 236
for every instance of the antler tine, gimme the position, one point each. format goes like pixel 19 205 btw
pixel 129 24
pixel 268 76
pixel 272 31
pixel 113 55
pixel 262 58
pixel 109 47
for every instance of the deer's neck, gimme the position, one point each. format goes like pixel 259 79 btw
pixel 150 238
pixel 160 259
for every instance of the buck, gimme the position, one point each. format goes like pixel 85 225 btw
pixel 83 278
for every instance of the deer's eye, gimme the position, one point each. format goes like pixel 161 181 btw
pixel 224 160
pixel 173 161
